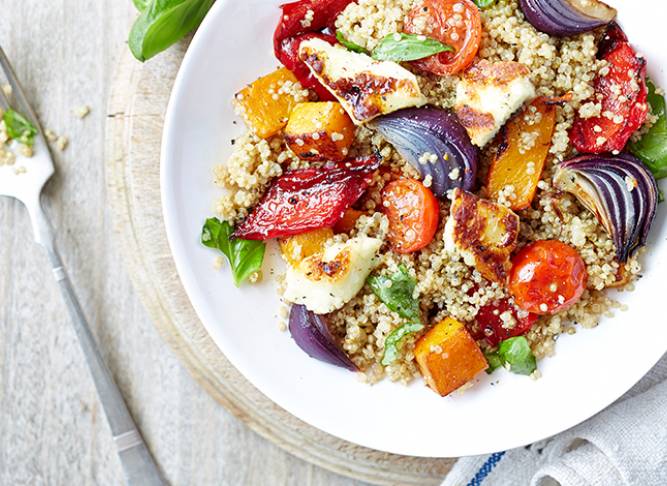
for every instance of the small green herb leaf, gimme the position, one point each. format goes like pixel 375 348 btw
pixel 407 47
pixel 19 128
pixel 349 44
pixel 393 341
pixel 494 360
pixel 396 291
pixel 141 4
pixel 245 256
pixel 163 23
pixel 517 354
pixel 652 147
pixel 482 4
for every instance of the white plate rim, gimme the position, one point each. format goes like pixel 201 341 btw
pixel 180 249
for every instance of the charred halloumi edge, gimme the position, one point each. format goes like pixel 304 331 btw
pixel 325 282
pixel 483 233
pixel 487 96
pixel 364 87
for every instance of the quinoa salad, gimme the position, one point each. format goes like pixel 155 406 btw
pixel 452 183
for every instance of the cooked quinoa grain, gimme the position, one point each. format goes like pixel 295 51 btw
pixel 366 22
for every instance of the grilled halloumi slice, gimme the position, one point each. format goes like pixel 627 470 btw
pixel 326 281
pixel 487 96
pixel 366 88
pixel 484 233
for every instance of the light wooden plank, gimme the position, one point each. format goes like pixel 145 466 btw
pixel 51 427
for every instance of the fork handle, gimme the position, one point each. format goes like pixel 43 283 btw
pixel 138 463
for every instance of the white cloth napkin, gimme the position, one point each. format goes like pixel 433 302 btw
pixel 626 444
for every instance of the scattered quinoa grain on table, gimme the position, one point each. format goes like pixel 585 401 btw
pixel 83 111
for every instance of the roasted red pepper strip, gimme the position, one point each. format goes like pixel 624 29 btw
pixel 612 36
pixel 489 323
pixel 622 93
pixel 294 20
pixel 307 199
pixel 297 20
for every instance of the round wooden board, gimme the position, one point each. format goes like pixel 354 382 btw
pixel 136 109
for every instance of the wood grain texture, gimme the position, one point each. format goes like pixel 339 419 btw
pixel 51 428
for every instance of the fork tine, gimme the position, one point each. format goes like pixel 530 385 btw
pixel 22 104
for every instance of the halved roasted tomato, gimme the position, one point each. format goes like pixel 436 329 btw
pixel 413 214
pixel 456 23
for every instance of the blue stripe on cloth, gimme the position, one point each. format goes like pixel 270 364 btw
pixel 486 468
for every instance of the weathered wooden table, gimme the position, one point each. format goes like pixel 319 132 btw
pixel 51 426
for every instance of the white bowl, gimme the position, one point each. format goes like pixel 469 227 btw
pixel 590 370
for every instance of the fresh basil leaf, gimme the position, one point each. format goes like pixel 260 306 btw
pixel 245 256
pixel 141 4
pixel 652 147
pixel 393 341
pixel 19 128
pixel 215 234
pixel 163 23
pixel 407 47
pixel 517 354
pixel 396 291
pixel 482 4
pixel 349 44
pixel 494 360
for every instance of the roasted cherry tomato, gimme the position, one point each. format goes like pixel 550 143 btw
pixel 547 276
pixel 302 200
pixel 300 20
pixel 413 214
pixel 456 23
pixel 621 90
pixel 491 320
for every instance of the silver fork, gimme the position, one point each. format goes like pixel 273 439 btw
pixel 138 464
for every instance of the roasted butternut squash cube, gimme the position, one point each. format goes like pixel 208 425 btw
pixel 319 131
pixel 265 104
pixel 520 154
pixel 298 247
pixel 448 356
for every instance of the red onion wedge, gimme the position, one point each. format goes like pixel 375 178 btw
pixel 435 143
pixel 619 190
pixel 312 335
pixel 564 18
